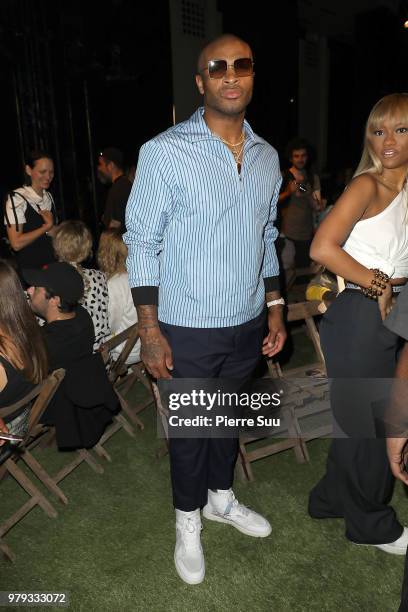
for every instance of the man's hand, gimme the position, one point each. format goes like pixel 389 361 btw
pixel 398 456
pixel 156 352
pixel 3 429
pixel 274 341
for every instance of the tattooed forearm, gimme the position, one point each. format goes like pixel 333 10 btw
pixel 147 317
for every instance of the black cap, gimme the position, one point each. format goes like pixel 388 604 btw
pixel 59 278
pixel 114 155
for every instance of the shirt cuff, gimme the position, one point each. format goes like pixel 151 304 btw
pixel 272 284
pixel 145 296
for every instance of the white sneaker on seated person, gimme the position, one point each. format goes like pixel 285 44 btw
pixel 188 553
pixel 223 507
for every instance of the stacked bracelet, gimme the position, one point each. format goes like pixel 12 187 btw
pixel 379 282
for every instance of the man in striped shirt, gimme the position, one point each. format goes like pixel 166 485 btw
pixel 201 262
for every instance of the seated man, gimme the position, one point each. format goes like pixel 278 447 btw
pixel 85 402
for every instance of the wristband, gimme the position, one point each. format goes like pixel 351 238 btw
pixel 275 302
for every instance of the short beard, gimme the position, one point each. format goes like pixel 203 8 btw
pixel 105 180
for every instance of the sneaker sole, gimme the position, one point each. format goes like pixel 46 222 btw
pixel 392 550
pixel 219 519
pixel 185 577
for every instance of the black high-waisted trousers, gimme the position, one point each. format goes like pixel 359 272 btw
pixel 358 482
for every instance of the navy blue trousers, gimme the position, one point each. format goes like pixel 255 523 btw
pixel 229 352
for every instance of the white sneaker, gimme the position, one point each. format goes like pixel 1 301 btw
pixel 188 554
pixel 224 508
pixel 398 547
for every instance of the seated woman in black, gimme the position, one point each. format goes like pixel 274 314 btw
pixel 23 358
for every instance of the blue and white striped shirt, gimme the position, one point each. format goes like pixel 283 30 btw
pixel 200 231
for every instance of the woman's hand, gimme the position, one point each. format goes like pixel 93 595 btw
pixel 3 429
pixel 47 218
pixel 385 303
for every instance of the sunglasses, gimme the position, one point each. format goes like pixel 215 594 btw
pixel 217 69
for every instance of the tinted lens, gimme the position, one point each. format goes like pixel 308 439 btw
pixel 217 68
pixel 243 66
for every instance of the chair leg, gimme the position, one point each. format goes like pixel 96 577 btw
pixel 7 552
pixel 30 488
pixel 142 378
pixel 129 413
pixel 44 476
pixel 125 424
pixel 295 435
pixel 130 380
pixel 86 456
pixel 99 450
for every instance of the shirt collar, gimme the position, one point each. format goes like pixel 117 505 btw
pixel 199 130
pixel 33 195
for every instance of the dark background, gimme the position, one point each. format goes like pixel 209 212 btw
pixel 80 75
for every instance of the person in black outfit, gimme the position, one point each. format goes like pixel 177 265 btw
pixel 85 402
pixel 397 447
pixel 111 171
pixel 364 239
pixel 30 214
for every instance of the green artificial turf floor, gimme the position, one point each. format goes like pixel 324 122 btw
pixel 111 548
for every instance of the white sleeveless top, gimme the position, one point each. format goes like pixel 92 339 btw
pixel 382 241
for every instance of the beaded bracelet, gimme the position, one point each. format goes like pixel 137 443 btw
pixel 379 282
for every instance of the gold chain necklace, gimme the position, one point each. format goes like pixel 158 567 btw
pixel 233 147
pixel 237 154
pixel 231 144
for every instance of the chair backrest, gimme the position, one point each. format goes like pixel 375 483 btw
pixel 118 366
pixel 41 395
pixel 341 283
pixel 306 311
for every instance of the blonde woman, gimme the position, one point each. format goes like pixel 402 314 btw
pixel 111 257
pixel 72 243
pixel 364 239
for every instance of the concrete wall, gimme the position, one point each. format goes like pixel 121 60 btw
pixel 192 23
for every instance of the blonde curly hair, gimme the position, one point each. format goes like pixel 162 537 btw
pixel 72 241
pixel 112 253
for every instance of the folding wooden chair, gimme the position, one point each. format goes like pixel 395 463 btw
pixel 79 455
pixel 39 399
pixel 162 423
pixel 308 397
pixel 123 376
